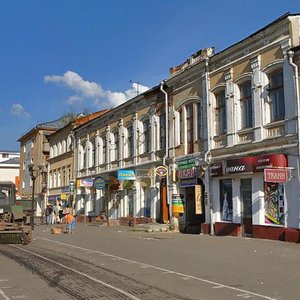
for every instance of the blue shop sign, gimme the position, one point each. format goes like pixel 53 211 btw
pixel 126 175
pixel 99 183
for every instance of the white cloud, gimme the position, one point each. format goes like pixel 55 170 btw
pixel 92 91
pixel 18 110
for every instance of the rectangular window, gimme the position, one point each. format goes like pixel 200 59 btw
pixel 190 128
pixel 116 138
pixel 226 199
pixel 104 151
pixel 93 154
pixel 181 127
pixel 146 130
pixel 221 126
pixel 246 105
pixel 276 95
pixel 130 141
pixel 162 130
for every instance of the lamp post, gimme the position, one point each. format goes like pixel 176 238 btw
pixel 33 175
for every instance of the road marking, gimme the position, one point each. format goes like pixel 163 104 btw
pixel 78 272
pixel 3 295
pixel 218 285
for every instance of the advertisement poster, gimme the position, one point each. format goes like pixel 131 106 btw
pixel 274 203
pixel 198 197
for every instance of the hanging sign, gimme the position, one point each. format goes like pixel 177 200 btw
pixel 275 175
pixel 161 171
pixel 99 183
pixel 126 175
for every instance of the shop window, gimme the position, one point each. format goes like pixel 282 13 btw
pixel 274 203
pixel 226 199
pixel 276 95
pixel 246 105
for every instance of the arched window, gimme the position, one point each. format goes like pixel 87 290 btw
pixel 276 95
pixel 162 130
pixel 130 141
pixel 146 135
pixel 220 113
pixel 246 105
pixel 116 146
pixel 104 150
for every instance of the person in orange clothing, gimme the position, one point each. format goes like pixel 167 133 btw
pixel 70 220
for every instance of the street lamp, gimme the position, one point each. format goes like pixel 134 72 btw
pixel 33 175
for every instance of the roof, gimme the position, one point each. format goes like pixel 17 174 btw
pixel 12 161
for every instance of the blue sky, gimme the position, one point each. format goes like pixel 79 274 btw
pixel 67 56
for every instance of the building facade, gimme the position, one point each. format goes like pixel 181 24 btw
pixel 61 176
pixel 121 150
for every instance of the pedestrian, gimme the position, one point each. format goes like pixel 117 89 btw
pixel 70 220
pixel 50 216
pixel 60 212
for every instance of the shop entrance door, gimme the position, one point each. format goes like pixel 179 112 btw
pixel 246 199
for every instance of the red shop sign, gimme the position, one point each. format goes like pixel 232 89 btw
pixel 269 161
pixel 240 165
pixel 275 175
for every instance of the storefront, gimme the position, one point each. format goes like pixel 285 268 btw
pixel 249 193
pixel 192 190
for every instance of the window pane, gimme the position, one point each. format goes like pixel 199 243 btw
pixel 220 113
pixel 246 105
pixel 276 94
pixel 226 199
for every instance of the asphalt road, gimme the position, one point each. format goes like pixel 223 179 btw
pixel 120 263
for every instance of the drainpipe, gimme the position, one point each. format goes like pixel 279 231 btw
pixel 167 122
pixel 290 57
pixel 167 140
pixel 290 54
pixel 206 159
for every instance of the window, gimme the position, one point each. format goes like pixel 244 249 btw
pixel 117 144
pixel 276 96
pixel 146 132
pixel 181 127
pixel 246 105
pixel 226 199
pixel 162 130
pixel 5 155
pixel 93 145
pixel 84 163
pixel 103 150
pixel 130 141
pixel 221 127
pixel 190 128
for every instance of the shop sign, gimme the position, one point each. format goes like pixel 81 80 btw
pixel 87 182
pixel 161 171
pixel 126 175
pixel 252 164
pixel 99 183
pixel 241 165
pixel 52 198
pixel 270 161
pixel 188 182
pixel 177 204
pixel 275 175
pixel 186 163
pixel 63 196
pixel 216 170
pixel 65 189
pixel 198 197
pixel 187 173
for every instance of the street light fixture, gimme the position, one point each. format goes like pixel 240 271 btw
pixel 33 175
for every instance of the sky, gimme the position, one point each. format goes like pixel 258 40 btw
pixel 70 56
